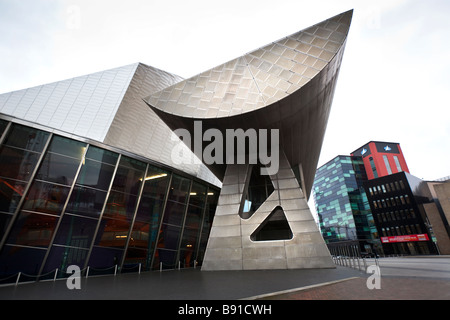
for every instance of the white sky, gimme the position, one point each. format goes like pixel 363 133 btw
pixel 394 83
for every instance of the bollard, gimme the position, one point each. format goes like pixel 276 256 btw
pixel 160 267
pixel 115 270
pixel 87 272
pixel 18 277
pixel 139 268
pixel 56 274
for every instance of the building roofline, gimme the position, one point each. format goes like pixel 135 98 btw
pixel 374 141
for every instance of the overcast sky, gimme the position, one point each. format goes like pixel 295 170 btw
pixel 394 82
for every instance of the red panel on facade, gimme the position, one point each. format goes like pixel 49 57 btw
pixel 384 158
pixel 407 238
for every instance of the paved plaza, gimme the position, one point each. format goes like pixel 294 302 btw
pixel 424 278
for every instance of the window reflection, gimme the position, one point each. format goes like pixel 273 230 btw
pixel 129 176
pixel 179 189
pixel 169 237
pixel 113 233
pixel 76 231
pixel 10 194
pixel 174 213
pixel 103 260
pixel 26 138
pixel 32 229
pixel 20 259
pixel 102 155
pixel 190 238
pixel 58 169
pixel 61 258
pixel 156 182
pixel 17 164
pixel 150 210
pixel 67 147
pixel 95 174
pixel 46 197
pixel 140 235
pixel 120 205
pixel 165 259
pixel 86 201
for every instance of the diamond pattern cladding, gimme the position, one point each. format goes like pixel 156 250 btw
pixel 258 78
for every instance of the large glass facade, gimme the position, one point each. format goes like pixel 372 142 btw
pixel 341 203
pixel 66 202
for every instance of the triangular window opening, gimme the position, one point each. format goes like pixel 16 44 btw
pixel 275 227
pixel 259 188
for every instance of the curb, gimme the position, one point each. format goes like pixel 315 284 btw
pixel 267 295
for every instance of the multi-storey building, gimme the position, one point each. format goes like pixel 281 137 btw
pixel 341 203
pixel 398 203
pixel 381 158
pixel 400 206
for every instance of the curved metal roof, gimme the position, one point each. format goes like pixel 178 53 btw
pixel 288 85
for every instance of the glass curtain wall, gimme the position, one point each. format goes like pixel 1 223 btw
pixel 65 202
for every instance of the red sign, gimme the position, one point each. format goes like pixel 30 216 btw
pixel 407 238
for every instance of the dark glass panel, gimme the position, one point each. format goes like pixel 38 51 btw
pixel 179 189
pixel 19 259
pixel 275 227
pixel 3 125
pixel 190 239
pixel 194 217
pixel 128 180
pixel 46 197
pixel 156 183
pixel 113 233
pixel 95 174
pixel 103 260
pixel 58 169
pixel 197 196
pixel 166 257
pixel 17 164
pixel 142 244
pixel 150 210
pixel 259 189
pixel 32 229
pixel 120 205
pixel 10 194
pixel 132 163
pixel 187 258
pixel 174 213
pixel 67 147
pixel 5 219
pixel 211 205
pixel 26 138
pixel 169 237
pixel 102 155
pixel 76 231
pixel 61 258
pixel 86 201
pixel 134 257
pixel 140 235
